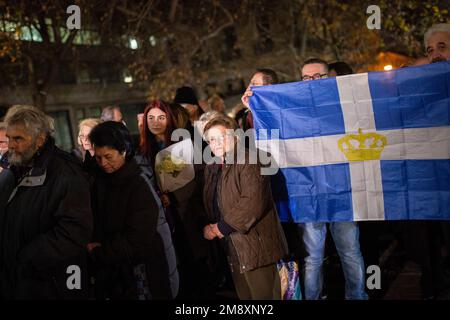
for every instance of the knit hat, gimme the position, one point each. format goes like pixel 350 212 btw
pixel 186 95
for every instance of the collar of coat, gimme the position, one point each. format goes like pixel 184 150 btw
pixel 36 176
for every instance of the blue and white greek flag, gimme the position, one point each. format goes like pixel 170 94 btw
pixel 371 146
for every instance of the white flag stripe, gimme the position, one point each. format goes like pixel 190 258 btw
pixel 356 103
pixel 357 110
pixel 305 152
pixel 402 144
pixel 417 144
pixel 367 190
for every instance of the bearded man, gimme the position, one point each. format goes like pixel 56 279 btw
pixel 45 215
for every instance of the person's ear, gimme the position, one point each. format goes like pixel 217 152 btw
pixel 40 141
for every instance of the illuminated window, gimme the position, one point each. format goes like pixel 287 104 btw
pixel 30 34
pixel 126 76
pixel 23 33
pixel 152 40
pixel 133 43
pixel 86 37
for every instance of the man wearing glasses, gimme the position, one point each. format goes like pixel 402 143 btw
pixel 314 69
pixel 345 234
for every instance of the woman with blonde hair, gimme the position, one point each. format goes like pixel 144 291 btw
pixel 84 144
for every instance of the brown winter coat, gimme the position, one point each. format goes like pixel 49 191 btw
pixel 246 204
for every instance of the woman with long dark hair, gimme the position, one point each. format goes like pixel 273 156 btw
pixel 156 132
pixel 184 206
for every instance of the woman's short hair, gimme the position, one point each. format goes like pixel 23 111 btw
pixel 114 135
pixel 225 121
pixel 216 103
pixel 90 122
pixel 269 76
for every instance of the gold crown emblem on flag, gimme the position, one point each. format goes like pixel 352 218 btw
pixel 362 146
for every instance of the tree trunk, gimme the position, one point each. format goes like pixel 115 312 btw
pixel 304 38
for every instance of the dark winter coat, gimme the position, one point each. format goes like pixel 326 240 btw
pixel 45 224
pixel 130 225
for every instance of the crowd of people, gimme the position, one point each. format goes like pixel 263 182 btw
pixel 102 209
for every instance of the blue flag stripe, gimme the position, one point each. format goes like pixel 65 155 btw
pixel 311 201
pixel 414 97
pixel 416 189
pixel 299 110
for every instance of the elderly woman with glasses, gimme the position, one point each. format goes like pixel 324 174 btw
pixel 84 144
pixel 242 215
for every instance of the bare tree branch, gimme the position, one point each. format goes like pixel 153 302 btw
pixel 42 27
pixel 137 15
pixel 222 27
pixel 144 14
pixel 68 43
pixel 173 10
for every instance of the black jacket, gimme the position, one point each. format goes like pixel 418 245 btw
pixel 4 161
pixel 45 224
pixel 132 229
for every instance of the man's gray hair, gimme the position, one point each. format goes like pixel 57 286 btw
pixel 2 126
pixel 108 113
pixel 33 119
pixel 439 27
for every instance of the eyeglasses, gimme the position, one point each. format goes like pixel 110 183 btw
pixel 83 137
pixel 221 138
pixel 316 76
